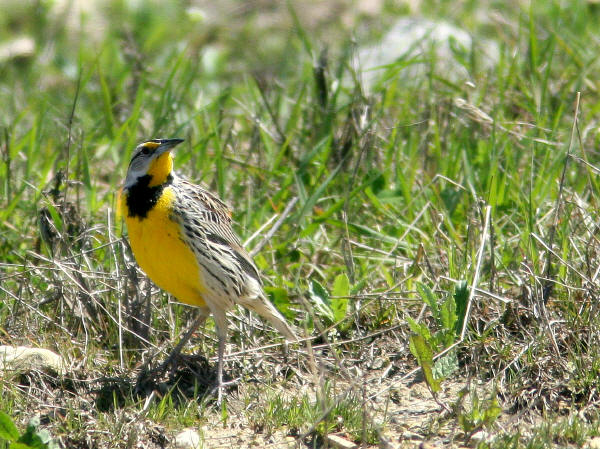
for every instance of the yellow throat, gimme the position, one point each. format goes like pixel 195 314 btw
pixel 160 169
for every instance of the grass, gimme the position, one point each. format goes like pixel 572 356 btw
pixel 388 187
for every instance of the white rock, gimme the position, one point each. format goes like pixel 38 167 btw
pixel 20 47
pixel 593 443
pixel 22 358
pixel 187 439
pixel 338 442
pixel 481 437
pixel 415 39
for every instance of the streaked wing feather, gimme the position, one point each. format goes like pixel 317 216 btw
pixel 217 224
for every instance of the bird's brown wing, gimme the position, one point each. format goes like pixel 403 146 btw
pixel 214 217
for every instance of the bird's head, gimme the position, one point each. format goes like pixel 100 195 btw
pixel 153 159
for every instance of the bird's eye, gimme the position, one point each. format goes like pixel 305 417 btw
pixel 145 150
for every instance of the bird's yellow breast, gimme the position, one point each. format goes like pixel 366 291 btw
pixel 156 241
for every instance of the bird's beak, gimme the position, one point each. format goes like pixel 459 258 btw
pixel 167 145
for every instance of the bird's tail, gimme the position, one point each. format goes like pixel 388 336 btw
pixel 265 309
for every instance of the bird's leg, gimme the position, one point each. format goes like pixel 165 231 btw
pixel 200 319
pixel 222 339
pixel 221 327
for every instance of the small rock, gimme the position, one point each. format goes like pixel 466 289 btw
pixel 413 38
pixel 18 48
pixel 592 443
pixel 187 439
pixel 22 358
pixel 339 442
pixel 377 363
pixel 481 437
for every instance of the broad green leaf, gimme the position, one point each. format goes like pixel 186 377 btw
pixel 280 298
pixel 448 314
pixel 34 437
pixel 341 290
pixel 461 298
pixel 19 445
pixel 31 441
pixel 8 430
pixel 445 366
pixel 424 355
pixel 419 329
pixel 320 300
pixel 429 298
pixel 341 285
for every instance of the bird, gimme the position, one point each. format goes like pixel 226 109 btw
pixel 182 237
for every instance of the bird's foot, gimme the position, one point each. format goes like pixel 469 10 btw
pixel 219 389
pixel 149 377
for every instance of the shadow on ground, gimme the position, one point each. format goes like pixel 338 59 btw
pixel 191 379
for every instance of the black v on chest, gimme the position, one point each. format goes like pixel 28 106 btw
pixel 141 198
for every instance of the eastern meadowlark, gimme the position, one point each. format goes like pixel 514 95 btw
pixel 181 236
